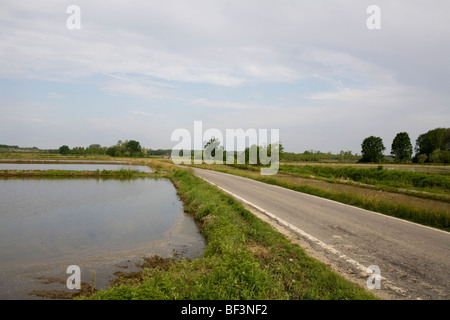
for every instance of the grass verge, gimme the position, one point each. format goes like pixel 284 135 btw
pixel 244 258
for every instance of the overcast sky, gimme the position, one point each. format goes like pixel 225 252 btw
pixel 141 69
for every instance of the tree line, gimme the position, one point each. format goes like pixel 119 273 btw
pixel 317 155
pixel 125 148
pixel 431 147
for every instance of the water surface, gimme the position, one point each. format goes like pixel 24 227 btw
pixel 49 224
pixel 71 166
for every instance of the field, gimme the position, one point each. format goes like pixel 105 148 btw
pixel 245 258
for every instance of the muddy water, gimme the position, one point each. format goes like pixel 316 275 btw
pixel 102 226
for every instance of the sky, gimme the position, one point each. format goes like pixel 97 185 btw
pixel 140 69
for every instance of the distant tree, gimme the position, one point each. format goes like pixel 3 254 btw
pixel 276 147
pixel 401 148
pixel 134 148
pixel 95 149
pixel 372 149
pixel 78 151
pixel 439 156
pixel 435 156
pixel 252 155
pixel 212 146
pixel 64 150
pixel 438 138
pixel 421 158
pixel 125 148
pixel 113 151
pixel 344 155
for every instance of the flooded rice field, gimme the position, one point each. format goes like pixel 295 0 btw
pixel 100 225
pixel 70 166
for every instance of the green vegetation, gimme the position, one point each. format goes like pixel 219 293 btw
pixel 372 149
pixel 318 156
pixel 378 177
pixel 64 150
pixel 245 258
pixel 433 146
pixel 125 148
pixel 401 148
pixel 8 149
pixel 159 152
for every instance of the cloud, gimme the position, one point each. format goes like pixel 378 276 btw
pixel 223 104
pixel 133 89
pixel 147 114
pixel 54 95
pixel 311 69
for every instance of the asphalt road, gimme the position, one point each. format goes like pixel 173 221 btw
pixel 411 261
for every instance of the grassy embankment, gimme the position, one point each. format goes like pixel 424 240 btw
pixel 244 258
pixel 419 197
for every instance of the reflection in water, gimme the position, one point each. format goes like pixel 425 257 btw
pixel 49 224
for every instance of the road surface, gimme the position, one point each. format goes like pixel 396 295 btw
pixel 406 260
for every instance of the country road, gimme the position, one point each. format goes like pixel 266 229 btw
pixel 413 260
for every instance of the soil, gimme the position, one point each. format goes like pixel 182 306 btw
pixel 121 277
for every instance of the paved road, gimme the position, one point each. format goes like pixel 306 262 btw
pixel 413 260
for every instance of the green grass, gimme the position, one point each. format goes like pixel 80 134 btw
pixel 378 177
pixel 244 258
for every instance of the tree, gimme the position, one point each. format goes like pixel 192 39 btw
pixel 401 148
pixel 439 156
pixel 438 138
pixel 134 148
pixel 276 147
pixel 421 158
pixel 212 146
pixel 125 148
pixel 345 155
pixel 252 155
pixel 372 149
pixel 214 151
pixel 64 150
pixel 113 151
pixel 435 156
